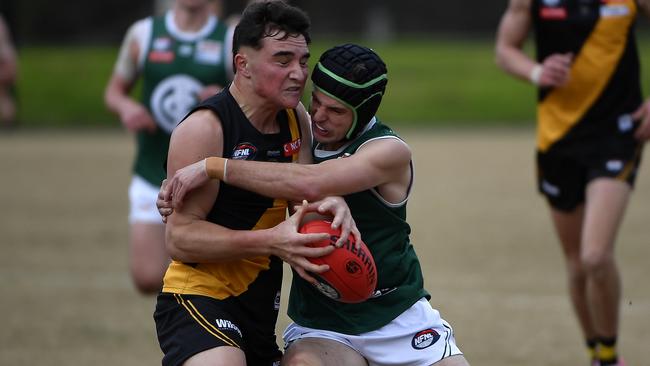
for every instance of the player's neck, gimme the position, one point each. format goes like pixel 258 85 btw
pixel 260 114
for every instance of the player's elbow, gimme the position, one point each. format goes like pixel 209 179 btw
pixel 499 58
pixel 308 189
pixel 174 243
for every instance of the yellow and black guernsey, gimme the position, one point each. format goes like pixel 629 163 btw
pixel 256 281
pixel 603 88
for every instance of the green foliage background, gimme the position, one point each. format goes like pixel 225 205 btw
pixel 432 82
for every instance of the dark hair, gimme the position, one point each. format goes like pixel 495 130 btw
pixel 266 19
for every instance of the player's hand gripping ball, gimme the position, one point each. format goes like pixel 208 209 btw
pixel 352 276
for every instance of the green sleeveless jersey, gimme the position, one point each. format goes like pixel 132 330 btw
pixel 177 66
pixel 385 231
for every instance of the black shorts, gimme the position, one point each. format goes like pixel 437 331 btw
pixel 189 324
pixel 564 172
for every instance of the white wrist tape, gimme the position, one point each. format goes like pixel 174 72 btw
pixel 536 74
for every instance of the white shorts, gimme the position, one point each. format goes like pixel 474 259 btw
pixel 142 199
pixel 417 337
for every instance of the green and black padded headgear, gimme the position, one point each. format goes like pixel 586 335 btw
pixel 355 76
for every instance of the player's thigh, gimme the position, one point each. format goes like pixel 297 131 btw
pixel 321 352
pixel 456 360
pixel 607 200
pixel 147 247
pixel 219 356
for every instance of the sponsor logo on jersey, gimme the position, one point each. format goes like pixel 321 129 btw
pixel 273 154
pixel 244 151
pixel 185 50
pixel 614 10
pixel 161 44
pixel 173 98
pixel 208 52
pixel 425 338
pixel 614 165
pixel 161 57
pixel 225 324
pixel 552 13
pixel 292 147
pixel 161 50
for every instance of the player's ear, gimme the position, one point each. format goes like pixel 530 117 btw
pixel 241 64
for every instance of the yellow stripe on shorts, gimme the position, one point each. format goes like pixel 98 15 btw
pixel 194 312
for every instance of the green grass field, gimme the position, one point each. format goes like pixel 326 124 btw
pixel 451 82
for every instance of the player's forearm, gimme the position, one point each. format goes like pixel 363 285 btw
pixel 516 63
pixel 201 241
pixel 116 95
pixel 293 182
pixel 8 72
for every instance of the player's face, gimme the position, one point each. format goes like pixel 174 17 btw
pixel 330 119
pixel 279 70
pixel 193 4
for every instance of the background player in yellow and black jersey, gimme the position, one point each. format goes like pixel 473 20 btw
pixel 221 292
pixel 591 127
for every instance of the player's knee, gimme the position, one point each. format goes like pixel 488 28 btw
pixel 575 269
pixel 596 263
pixel 299 358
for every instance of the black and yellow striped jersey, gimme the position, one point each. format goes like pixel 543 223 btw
pixel 239 209
pixel 604 85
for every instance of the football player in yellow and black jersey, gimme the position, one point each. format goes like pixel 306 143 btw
pixel 221 293
pixel 592 123
pixel 365 161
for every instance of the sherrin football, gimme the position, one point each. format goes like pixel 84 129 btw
pixel 352 276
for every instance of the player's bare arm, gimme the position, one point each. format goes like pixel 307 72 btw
pixel 333 206
pixel 382 164
pixel 8 71
pixel 195 175
pixel 511 35
pixel 190 238
pixel 133 115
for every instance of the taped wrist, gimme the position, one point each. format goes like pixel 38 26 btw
pixel 215 167
pixel 535 74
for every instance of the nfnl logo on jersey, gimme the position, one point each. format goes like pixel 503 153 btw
pixel 425 338
pixel 244 151
pixel 292 147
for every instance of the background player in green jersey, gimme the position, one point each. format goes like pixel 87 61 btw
pixel 182 57
pixel 592 124
pixel 365 161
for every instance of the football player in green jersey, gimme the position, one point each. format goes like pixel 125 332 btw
pixel 367 163
pixel 182 57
